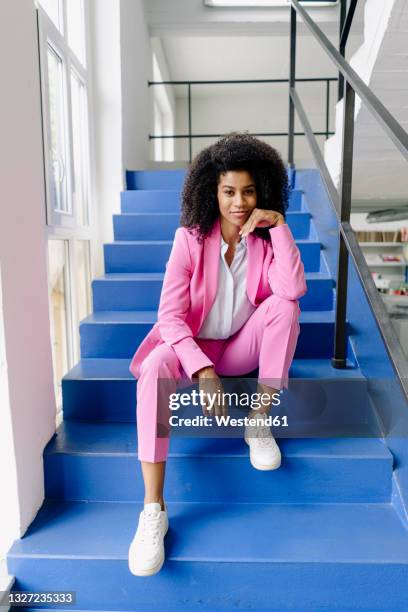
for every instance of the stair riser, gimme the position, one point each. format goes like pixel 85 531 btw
pixel 220 478
pixel 155 179
pixel 139 257
pixel 120 340
pixel 145 295
pixel 159 227
pixel 107 584
pixel 116 400
pixel 170 201
pixel 165 179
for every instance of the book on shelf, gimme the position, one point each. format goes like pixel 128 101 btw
pixel 387 236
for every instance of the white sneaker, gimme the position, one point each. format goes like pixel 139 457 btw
pixel 264 453
pixel 146 551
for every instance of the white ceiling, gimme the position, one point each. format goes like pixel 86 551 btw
pixel 191 17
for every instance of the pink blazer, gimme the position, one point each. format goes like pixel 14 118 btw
pixel 191 281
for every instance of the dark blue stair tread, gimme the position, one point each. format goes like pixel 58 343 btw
pixel 77 437
pixel 117 369
pixel 172 190
pixel 174 213
pixel 150 316
pixel 121 316
pixel 218 532
pixel 150 190
pixel 131 276
pixel 158 276
pixel 170 242
pixel 139 242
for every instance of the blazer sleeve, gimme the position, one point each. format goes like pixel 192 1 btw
pixel 286 272
pixel 174 306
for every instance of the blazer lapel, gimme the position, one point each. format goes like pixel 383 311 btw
pixel 255 255
pixel 211 263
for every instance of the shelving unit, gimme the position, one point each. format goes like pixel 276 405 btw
pixel 389 270
pixel 389 274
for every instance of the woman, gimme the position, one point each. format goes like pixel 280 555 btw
pixel 229 304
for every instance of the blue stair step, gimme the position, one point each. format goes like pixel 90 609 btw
pixel 152 255
pixel 155 179
pixel 82 458
pixel 313 555
pixel 141 291
pixel 162 225
pixel 169 200
pixel 104 390
pixel 118 333
pixel 165 179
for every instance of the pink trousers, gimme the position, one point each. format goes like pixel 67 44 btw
pixel 266 341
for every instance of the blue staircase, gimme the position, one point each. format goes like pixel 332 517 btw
pixel 327 531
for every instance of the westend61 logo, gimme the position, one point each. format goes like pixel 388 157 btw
pixel 208 401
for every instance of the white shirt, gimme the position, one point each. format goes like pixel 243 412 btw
pixel 231 307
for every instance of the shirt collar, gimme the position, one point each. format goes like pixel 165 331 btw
pixel 242 244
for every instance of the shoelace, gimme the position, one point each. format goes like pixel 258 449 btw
pixel 264 436
pixel 150 529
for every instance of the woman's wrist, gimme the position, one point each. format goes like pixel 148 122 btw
pixel 206 371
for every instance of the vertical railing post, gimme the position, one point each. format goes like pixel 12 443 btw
pixel 190 148
pixel 292 81
pixel 340 332
pixel 342 50
pixel 327 108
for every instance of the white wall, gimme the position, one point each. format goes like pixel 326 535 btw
pixel 120 104
pixel 163 96
pixel 137 69
pixel 28 403
pixel 106 113
pixel 265 109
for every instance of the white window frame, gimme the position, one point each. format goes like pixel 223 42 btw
pixel 50 36
pixel 64 225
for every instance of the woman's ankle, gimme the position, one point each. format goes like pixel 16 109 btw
pixel 157 500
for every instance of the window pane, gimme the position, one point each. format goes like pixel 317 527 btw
pixel 54 11
pixel 57 132
pixel 80 149
pixel 57 265
pixel 75 26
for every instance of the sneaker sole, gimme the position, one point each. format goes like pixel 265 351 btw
pixel 152 570
pixel 260 466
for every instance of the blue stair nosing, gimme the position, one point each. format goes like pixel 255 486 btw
pixel 100 439
pixel 118 369
pixel 131 291
pixel 134 317
pixel 79 533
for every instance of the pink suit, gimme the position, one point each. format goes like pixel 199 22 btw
pixel 275 282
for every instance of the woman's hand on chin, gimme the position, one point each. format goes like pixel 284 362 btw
pixel 261 218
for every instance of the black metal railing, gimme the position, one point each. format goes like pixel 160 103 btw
pixel 341 202
pixel 325 132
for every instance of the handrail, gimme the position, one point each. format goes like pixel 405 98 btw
pixel 341 203
pixel 189 84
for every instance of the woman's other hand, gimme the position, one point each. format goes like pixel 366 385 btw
pixel 211 386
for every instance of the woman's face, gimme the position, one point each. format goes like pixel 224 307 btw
pixel 236 196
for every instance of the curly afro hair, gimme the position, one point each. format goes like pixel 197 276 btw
pixel 235 151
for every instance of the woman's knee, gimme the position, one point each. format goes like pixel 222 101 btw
pixel 275 303
pixel 161 361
